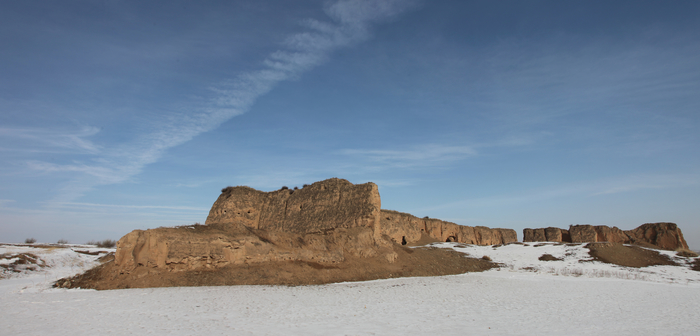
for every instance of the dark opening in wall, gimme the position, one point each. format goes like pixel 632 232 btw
pixel 451 239
pixel 403 240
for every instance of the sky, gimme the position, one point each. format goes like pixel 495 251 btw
pixel 123 115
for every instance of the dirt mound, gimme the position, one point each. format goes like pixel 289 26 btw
pixel 18 262
pixel 420 261
pixel 696 265
pixel 328 231
pixel 630 256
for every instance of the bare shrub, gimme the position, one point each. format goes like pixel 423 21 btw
pixel 62 242
pixel 685 253
pixel 30 241
pixel 107 243
pixel 548 257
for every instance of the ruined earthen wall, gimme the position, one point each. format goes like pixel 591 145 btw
pixel 325 205
pixel 664 235
pixel 406 228
pixel 319 223
pixel 661 235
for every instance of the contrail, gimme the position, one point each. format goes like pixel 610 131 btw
pixel 350 22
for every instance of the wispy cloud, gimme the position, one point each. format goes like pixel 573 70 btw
pixel 79 205
pixel 531 83
pixel 4 202
pixel 608 186
pixel 102 173
pixel 350 23
pixel 46 140
pixel 640 182
pixel 423 155
pixel 417 156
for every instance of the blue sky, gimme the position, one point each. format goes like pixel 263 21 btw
pixel 122 115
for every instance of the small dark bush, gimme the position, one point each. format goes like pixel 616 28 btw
pixel 548 257
pixel 107 243
pixel 426 217
pixel 296 188
pixel 284 188
pixel 30 241
pixel 305 185
pixel 62 242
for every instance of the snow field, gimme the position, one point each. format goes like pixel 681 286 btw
pixel 506 301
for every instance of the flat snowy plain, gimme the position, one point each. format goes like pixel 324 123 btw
pixel 524 297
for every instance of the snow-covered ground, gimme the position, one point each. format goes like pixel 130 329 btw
pixel 525 297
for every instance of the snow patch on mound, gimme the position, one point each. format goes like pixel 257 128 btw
pixel 52 262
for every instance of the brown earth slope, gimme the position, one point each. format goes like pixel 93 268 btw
pixel 409 262
pixel 630 256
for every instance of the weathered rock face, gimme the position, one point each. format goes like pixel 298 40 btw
pixel 320 223
pixel 195 247
pixel 547 234
pixel 582 233
pixel 553 234
pixel 406 229
pixel 530 235
pixel 664 235
pixel 610 234
pixel 660 235
pixel 325 205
